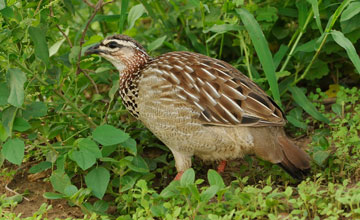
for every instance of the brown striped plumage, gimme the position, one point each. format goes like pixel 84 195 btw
pixel 201 106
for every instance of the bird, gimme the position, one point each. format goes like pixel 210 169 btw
pixel 201 106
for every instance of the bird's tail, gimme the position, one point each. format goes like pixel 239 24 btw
pixel 295 161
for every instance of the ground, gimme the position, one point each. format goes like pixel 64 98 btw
pixel 33 187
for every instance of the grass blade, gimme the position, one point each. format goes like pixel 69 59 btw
pixel 315 8
pixel 305 103
pixel 348 46
pixel 123 15
pixel 280 55
pixel 262 49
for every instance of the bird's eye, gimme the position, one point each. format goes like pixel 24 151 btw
pixel 113 45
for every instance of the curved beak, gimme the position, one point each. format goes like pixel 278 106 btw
pixel 93 50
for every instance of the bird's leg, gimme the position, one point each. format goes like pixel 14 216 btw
pixel 222 166
pixel 178 175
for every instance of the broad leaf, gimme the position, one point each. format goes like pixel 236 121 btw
pixel 4 93
pixel 209 193
pixel 188 177
pixel 60 180
pixel 156 43
pixel 109 135
pixel 215 179
pixel 13 150
pixel 83 159
pixel 16 82
pixel 21 125
pixel 35 110
pixel 89 146
pixel 135 13
pixel 37 35
pixel 44 165
pixel 97 180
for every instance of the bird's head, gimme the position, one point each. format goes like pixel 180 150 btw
pixel 126 54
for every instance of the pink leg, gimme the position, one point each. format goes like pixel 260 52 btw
pixel 178 175
pixel 222 166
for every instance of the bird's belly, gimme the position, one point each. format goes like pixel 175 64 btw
pixel 179 129
pixel 176 123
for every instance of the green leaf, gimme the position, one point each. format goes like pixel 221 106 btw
pixel 97 180
pixel 127 182
pixel 21 125
pixel 70 190
pixel 302 101
pixel 352 10
pixel 3 133
pixel 215 179
pixel 171 190
pixel 188 177
pixel 318 70
pixel 16 82
pixel 262 50
pixel 114 89
pixel 130 146
pixel 89 146
pixel 348 46
pixel 101 206
pixel 320 157
pixel 223 28
pixel 280 55
pixel 2 4
pixel 209 193
pixel 56 46
pixel 337 108
pixel 93 39
pixel 83 159
pixel 13 150
pixel 74 53
pixel 60 180
pixel 35 110
pixel 138 164
pixel 51 195
pixel 37 35
pixel 195 41
pixel 8 117
pixel 123 13
pixel 44 165
pixel 156 43
pixel 4 93
pixel 135 13
pixel 109 135
pixel 296 122
pixel 315 8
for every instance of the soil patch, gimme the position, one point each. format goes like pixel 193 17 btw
pixel 33 187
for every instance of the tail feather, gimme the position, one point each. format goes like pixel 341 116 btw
pixel 296 161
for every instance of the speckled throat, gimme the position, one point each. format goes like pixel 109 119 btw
pixel 129 81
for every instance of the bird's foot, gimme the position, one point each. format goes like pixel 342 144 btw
pixel 178 175
pixel 222 166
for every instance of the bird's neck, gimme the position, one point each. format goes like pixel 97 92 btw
pixel 133 64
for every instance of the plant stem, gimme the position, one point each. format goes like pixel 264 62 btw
pixel 59 94
pixel 302 31
pixel 312 60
